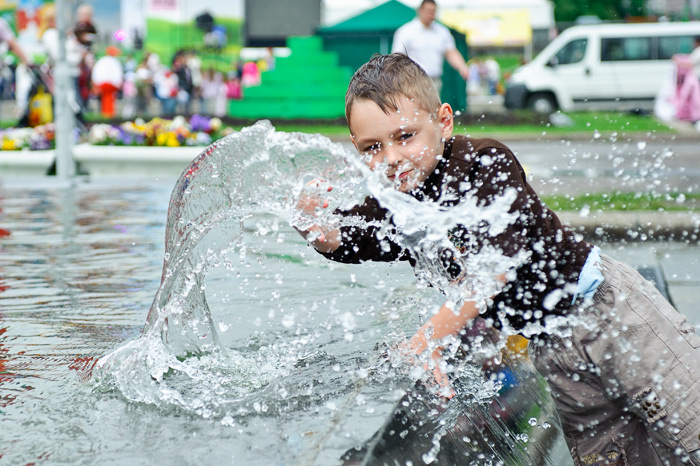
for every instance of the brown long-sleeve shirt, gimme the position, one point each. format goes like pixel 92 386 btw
pixel 486 168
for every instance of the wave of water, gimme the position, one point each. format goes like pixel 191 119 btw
pixel 179 361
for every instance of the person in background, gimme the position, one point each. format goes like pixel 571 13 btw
pixel 695 56
pixel 429 43
pixel 143 80
pixel 48 34
pixel 8 37
pixel 80 57
pixel 130 63
pixel 475 75
pixel 194 64
pixel 234 88
pixel 250 75
pixel 7 77
pixel 129 93
pixel 165 83
pixel 184 82
pixel 213 93
pixel 108 78
pixel 493 74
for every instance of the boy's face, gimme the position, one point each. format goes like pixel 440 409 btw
pixel 405 143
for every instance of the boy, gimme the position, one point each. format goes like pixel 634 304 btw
pixel 626 376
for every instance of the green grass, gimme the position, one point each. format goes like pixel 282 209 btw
pixel 592 123
pixel 625 201
pixel 520 123
pixel 508 62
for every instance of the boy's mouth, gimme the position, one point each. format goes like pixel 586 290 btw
pixel 402 175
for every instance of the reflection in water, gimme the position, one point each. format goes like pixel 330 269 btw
pixel 65 270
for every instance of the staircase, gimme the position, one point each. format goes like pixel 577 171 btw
pixel 308 84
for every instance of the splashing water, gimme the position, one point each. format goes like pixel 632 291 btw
pixel 260 174
pixel 256 171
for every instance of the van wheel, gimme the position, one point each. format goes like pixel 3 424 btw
pixel 542 102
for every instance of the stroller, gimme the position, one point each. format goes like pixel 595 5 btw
pixel 40 109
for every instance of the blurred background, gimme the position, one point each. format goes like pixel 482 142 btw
pixel 252 59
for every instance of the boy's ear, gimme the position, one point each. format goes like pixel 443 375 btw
pixel 446 119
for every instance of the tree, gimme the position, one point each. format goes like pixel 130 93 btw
pixel 569 10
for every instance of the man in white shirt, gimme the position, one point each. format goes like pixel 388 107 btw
pixel 429 43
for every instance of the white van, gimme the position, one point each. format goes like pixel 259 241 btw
pixel 603 66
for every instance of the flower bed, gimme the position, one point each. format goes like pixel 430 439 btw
pixel 197 131
pixel 39 138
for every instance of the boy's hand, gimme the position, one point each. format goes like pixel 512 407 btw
pixel 311 205
pixel 415 347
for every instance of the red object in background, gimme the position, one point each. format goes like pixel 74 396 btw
pixel 108 93
pixel 21 19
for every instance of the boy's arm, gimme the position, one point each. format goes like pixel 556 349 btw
pixel 349 244
pixel 445 323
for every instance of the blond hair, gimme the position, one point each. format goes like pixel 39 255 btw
pixel 384 78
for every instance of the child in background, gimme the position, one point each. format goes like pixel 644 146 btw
pixel 234 89
pixel 108 78
pixel 213 93
pixel 625 375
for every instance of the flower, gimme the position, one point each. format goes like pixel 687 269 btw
pixel 198 131
pixel 40 137
pixel 215 124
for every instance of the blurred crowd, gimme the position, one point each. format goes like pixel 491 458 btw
pixel 118 84
pixel 484 76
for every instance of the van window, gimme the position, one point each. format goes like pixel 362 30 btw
pixel 669 46
pixel 625 48
pixel 572 52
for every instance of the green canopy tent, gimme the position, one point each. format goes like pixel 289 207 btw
pixel 356 39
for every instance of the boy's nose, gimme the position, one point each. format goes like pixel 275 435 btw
pixel 392 155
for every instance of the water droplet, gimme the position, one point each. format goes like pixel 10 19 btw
pixel 288 320
pixel 641 145
pixel 596 134
pixel 532 421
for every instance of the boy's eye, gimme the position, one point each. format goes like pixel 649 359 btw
pixel 372 148
pixel 406 136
